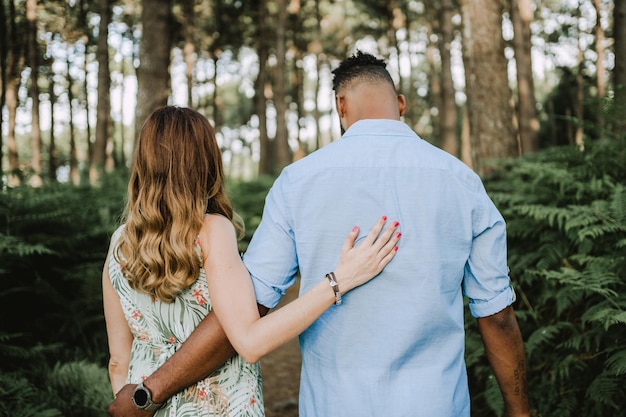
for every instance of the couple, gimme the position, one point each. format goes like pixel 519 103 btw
pixel 393 347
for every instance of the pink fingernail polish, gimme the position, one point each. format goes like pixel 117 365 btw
pixel 395 249
pixel 384 217
pixel 396 224
pixel 398 235
pixel 355 228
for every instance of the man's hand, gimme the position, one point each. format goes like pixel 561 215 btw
pixel 123 405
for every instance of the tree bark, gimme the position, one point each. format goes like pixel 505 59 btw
pixel 619 72
pixel 3 78
pixel 579 108
pixel 260 99
pixel 89 136
pixel 488 93
pixel 103 112
pixel 317 49
pixel 35 160
pixel 153 74
pixel 52 148
pixel 189 49
pixel 600 65
pixel 283 153
pixel 448 111
pixel 394 16
pixel 15 62
pixel 434 81
pixel 522 16
pixel 74 172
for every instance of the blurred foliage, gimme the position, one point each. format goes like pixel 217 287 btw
pixel 53 241
pixel 566 223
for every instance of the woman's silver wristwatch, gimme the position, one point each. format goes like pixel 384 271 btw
pixel 142 398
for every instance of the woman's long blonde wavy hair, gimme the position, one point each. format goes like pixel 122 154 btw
pixel 176 178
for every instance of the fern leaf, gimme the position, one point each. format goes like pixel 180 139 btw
pixel 616 363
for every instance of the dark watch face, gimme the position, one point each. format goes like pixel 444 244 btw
pixel 141 398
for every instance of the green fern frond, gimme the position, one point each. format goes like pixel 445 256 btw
pixel 83 388
pixel 604 388
pixel 12 245
pixel 568 365
pixel 547 335
pixel 566 298
pixel 617 204
pixel 616 363
pixel 606 313
pixel 588 281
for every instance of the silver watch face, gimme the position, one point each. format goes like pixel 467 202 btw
pixel 141 397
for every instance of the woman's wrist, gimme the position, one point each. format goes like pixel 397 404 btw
pixel 332 279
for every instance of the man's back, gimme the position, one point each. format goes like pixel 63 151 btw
pixel 395 346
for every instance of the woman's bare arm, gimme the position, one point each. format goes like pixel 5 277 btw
pixel 233 295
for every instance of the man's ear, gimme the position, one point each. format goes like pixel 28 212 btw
pixel 340 102
pixel 401 104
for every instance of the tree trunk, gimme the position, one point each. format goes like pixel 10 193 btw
pixel 216 100
pixel 448 110
pixel 600 66
pixel 260 99
pixel 522 16
pixel 408 88
pixel 74 172
pixel 103 112
pixel 619 72
pixel 488 94
pixel 466 145
pixel 153 76
pixel 394 17
pixel 3 78
pixel 52 149
pixel 297 94
pixel 14 62
pixel 283 154
pixel 317 49
pixel 434 81
pixel 89 136
pixel 31 24
pixel 189 50
pixel 122 149
pixel 579 105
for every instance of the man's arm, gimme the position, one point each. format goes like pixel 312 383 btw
pixel 505 351
pixel 206 349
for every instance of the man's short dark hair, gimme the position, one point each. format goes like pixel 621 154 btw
pixel 362 66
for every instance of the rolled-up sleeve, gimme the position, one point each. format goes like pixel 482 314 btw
pixel 486 281
pixel 271 256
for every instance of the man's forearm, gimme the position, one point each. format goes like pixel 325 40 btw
pixel 202 353
pixel 206 349
pixel 505 351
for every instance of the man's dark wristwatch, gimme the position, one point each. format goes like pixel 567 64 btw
pixel 142 398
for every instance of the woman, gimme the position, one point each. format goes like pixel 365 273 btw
pixel 178 244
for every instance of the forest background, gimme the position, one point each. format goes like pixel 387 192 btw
pixel 530 94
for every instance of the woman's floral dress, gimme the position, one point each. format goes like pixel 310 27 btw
pixel 160 328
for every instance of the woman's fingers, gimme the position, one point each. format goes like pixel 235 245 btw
pixel 389 250
pixel 375 231
pixel 388 235
pixel 350 239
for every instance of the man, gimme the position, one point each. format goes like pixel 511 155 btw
pixel 395 346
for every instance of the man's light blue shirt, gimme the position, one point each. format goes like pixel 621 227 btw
pixel 395 346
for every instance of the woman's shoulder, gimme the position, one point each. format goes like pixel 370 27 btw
pixel 216 220
pixel 217 227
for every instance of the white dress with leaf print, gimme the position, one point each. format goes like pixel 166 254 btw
pixel 160 328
